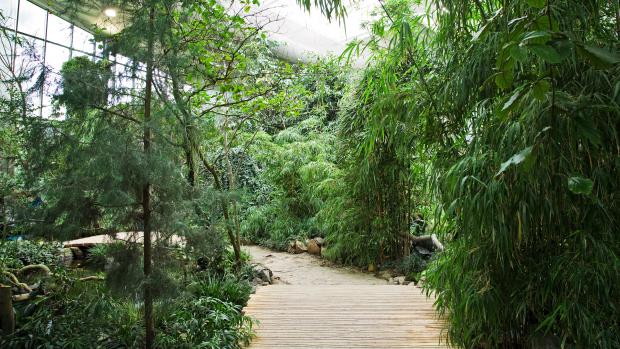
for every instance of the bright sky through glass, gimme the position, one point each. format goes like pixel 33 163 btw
pixel 306 34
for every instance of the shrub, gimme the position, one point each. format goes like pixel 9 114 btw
pixel 16 254
pixel 229 289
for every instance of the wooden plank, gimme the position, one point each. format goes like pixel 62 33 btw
pixel 344 316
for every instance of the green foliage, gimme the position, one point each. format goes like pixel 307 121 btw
pixel 98 256
pixel 206 314
pixel 205 323
pixel 528 171
pixel 296 158
pixel 16 254
pixel 84 84
pixel 411 266
pixel 228 288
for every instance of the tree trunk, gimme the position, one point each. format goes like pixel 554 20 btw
pixel 7 319
pixel 224 204
pixel 146 193
pixel 232 185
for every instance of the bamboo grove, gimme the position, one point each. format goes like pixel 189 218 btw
pixel 516 103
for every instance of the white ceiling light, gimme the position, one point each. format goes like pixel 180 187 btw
pixel 110 12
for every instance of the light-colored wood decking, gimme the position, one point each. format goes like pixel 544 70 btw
pixel 342 316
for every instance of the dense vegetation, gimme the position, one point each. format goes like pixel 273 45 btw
pixel 493 122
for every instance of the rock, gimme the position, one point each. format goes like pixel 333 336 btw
pixel 313 247
pixel 399 280
pixel 372 267
pixel 423 251
pixel 66 256
pixel 319 240
pixel 77 252
pixel 297 247
pixel 265 275
pixel 385 275
pixel 265 283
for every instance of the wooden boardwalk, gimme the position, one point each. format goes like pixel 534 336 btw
pixel 343 316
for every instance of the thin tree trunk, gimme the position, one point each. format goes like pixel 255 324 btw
pixel 7 319
pixel 224 204
pixel 231 185
pixel 146 193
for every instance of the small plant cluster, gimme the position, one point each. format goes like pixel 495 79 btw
pixel 16 254
pixel 201 309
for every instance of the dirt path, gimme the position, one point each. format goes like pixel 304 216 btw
pixel 306 269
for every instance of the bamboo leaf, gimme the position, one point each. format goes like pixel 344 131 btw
pixel 600 57
pixel 515 96
pixel 580 185
pixel 515 160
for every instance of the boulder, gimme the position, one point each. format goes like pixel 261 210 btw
pixel 423 251
pixel 77 252
pixel 399 280
pixel 266 275
pixel 66 257
pixel 297 247
pixel 313 247
pixel 319 240
pixel 385 275
pixel 372 267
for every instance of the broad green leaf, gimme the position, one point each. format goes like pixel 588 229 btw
pixel 540 89
pixel 515 160
pixel 601 57
pixel 536 3
pixel 518 52
pixel 580 185
pixel 546 52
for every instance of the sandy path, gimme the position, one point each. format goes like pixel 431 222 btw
pixel 306 269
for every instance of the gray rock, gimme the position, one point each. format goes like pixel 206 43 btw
pixel 265 275
pixel 423 251
pixel 319 240
pixel 385 275
pixel 399 280
pixel 77 253
pixel 66 256
pixel 297 247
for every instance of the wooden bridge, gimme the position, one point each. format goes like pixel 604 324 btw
pixel 343 316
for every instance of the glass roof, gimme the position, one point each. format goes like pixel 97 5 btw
pixel 303 34
pixel 306 34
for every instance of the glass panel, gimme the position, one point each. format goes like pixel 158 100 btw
pixel 58 30
pixel 9 12
pixel 82 40
pixel 55 56
pixel 75 53
pixel 52 88
pixel 99 49
pixel 31 19
pixel 6 65
pixel 28 60
pixel 6 52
